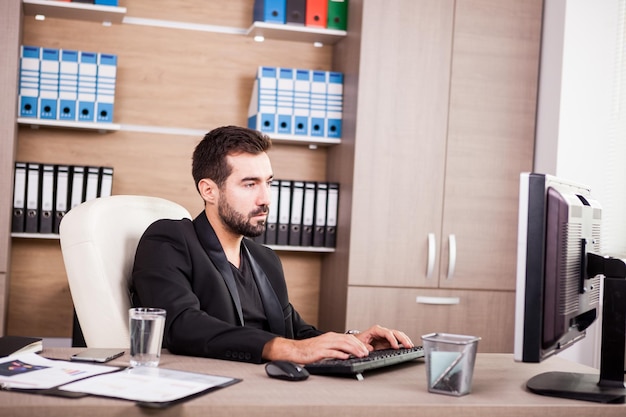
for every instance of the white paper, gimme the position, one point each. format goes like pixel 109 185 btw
pixel 31 371
pixel 145 384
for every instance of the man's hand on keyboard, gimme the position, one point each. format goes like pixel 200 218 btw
pixel 335 345
pixel 328 345
pixel 378 337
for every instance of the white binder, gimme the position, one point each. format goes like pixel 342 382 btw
pixel 68 85
pixel 29 81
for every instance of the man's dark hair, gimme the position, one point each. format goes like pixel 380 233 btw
pixel 209 157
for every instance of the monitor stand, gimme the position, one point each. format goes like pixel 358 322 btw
pixel 608 387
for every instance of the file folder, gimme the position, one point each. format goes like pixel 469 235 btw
pixel 29 81
pixel 295 222
pixel 32 198
pixel 321 199
pixel 61 187
pixel 334 105
pixel 19 198
pixel 87 74
pixel 308 213
pixel 271 11
pixel 105 87
pixel 106 182
pixel 295 12
pixel 68 85
pixel 318 104
pixel 272 218
pixel 337 14
pixel 92 183
pixel 77 185
pixel 316 13
pixel 330 236
pixel 262 109
pixel 285 101
pixel 284 212
pixel 47 199
pixel 302 102
pixel 49 83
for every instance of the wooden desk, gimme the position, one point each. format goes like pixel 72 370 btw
pixel 498 390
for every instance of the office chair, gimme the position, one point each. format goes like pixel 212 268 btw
pixel 98 242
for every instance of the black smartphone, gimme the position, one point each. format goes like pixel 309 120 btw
pixel 100 355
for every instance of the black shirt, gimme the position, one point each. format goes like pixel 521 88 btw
pixel 251 304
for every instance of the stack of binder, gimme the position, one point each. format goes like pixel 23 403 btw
pixel 330 14
pixel 43 193
pixel 303 213
pixel 298 102
pixel 68 85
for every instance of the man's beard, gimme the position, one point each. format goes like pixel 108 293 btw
pixel 239 223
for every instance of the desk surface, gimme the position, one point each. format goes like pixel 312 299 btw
pixel 498 390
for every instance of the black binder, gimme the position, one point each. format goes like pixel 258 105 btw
pixel 47 199
pixel 61 201
pixel 308 214
pixel 33 191
pixel 295 221
pixel 19 198
pixel 295 12
pixel 321 200
pixel 330 237
pixel 284 212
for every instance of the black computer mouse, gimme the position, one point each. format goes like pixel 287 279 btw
pixel 286 370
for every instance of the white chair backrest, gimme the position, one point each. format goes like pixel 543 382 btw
pixel 98 241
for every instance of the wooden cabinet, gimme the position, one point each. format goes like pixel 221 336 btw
pixel 445 112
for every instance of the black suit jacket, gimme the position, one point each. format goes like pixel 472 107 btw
pixel 180 266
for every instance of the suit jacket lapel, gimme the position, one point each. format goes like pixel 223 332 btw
pixel 271 304
pixel 211 244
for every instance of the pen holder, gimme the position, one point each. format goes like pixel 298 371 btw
pixel 450 362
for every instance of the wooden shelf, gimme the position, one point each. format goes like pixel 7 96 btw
pixel 311 141
pixel 99 127
pixel 279 248
pixel 287 248
pixel 296 33
pixel 75 11
pixel 53 236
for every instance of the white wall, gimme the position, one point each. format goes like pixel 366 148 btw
pixel 575 129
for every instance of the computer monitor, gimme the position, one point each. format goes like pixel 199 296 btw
pixel 560 271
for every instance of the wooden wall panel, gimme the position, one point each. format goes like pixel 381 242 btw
pixel 171 78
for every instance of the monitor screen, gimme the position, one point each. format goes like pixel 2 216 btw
pixel 560 271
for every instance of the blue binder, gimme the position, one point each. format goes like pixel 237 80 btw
pixel 334 105
pixel 284 101
pixel 29 81
pixel 87 75
pixel 262 110
pixel 68 84
pixel 318 104
pixel 271 11
pixel 302 102
pixel 49 83
pixel 105 87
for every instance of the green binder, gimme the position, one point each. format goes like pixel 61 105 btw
pixel 337 14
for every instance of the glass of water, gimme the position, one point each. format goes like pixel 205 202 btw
pixel 146 335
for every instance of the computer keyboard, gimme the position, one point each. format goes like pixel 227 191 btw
pixel 356 366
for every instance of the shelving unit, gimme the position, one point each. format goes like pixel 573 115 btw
pixel 215 90
pixel 99 127
pixel 75 11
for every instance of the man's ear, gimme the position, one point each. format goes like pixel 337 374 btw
pixel 208 190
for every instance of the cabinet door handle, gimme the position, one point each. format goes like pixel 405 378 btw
pixel 437 300
pixel 452 256
pixel 432 253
